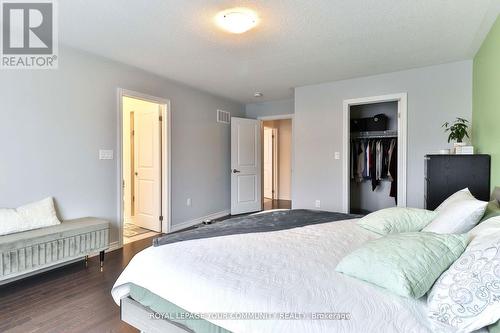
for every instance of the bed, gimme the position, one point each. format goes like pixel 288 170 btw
pixel 287 275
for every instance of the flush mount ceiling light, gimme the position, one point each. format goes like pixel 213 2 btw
pixel 258 94
pixel 237 20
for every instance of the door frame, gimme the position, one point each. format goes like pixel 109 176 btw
pixel 402 99
pixel 166 162
pixel 276 187
pixel 290 116
pixel 275 161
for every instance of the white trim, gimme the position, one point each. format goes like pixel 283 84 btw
pixel 112 247
pixel 166 157
pixel 402 100
pixel 190 223
pixel 274 163
pixel 402 149
pixel 277 117
pixel 276 174
pixel 290 116
pixel 167 163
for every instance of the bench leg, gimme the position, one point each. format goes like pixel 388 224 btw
pixel 86 261
pixel 101 260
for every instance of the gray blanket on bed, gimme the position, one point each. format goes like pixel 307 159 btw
pixel 260 222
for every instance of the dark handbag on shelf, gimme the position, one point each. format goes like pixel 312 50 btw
pixel 375 123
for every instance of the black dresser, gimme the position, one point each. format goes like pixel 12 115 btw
pixel 447 174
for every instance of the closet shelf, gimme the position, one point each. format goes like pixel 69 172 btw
pixel 374 134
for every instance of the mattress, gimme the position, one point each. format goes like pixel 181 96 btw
pixel 287 273
pixel 176 314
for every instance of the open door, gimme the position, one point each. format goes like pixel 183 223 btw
pixel 246 183
pixel 147 168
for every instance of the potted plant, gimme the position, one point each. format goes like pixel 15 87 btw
pixel 458 130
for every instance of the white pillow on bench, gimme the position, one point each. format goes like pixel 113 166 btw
pixel 28 217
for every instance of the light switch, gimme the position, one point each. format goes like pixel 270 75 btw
pixel 337 155
pixel 105 154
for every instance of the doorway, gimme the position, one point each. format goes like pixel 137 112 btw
pixel 144 166
pixel 277 163
pixel 374 168
pixel 248 163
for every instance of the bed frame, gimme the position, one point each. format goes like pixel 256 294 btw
pixel 139 316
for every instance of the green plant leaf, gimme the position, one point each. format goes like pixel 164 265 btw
pixel 458 129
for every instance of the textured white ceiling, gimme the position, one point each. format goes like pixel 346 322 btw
pixel 298 42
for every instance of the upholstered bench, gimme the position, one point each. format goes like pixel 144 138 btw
pixel 30 252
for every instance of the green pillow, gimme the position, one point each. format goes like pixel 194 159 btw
pixel 407 264
pixel 397 219
pixel 492 210
pixel 494 328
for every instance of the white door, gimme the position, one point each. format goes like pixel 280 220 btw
pixel 268 163
pixel 246 187
pixel 147 153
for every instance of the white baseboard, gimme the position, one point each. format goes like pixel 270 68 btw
pixel 116 245
pixel 199 220
pixel 113 246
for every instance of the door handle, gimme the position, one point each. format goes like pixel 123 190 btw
pixel 236 171
pixel 135 173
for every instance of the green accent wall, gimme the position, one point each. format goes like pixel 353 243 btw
pixel 486 100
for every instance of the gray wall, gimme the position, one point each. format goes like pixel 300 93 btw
pixel 435 94
pixel 272 108
pixel 53 122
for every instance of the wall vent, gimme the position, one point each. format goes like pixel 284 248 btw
pixel 223 117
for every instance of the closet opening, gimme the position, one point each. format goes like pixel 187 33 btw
pixel 374 153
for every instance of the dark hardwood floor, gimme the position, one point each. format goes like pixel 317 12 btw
pixel 277 204
pixel 68 299
pixel 74 298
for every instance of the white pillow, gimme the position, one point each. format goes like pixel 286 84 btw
pixel 10 221
pixel 31 216
pixel 467 296
pixel 456 197
pixel 488 227
pixel 457 214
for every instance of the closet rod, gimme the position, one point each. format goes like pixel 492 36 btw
pixel 375 135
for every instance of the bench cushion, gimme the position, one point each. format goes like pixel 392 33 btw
pixel 65 229
pixel 32 250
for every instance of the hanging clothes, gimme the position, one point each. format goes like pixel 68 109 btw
pixel 374 160
pixel 393 170
pixel 367 160
pixel 378 159
pixel 392 146
pixel 373 165
pixel 385 158
pixel 357 161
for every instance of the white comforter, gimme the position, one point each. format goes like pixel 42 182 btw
pixel 288 271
